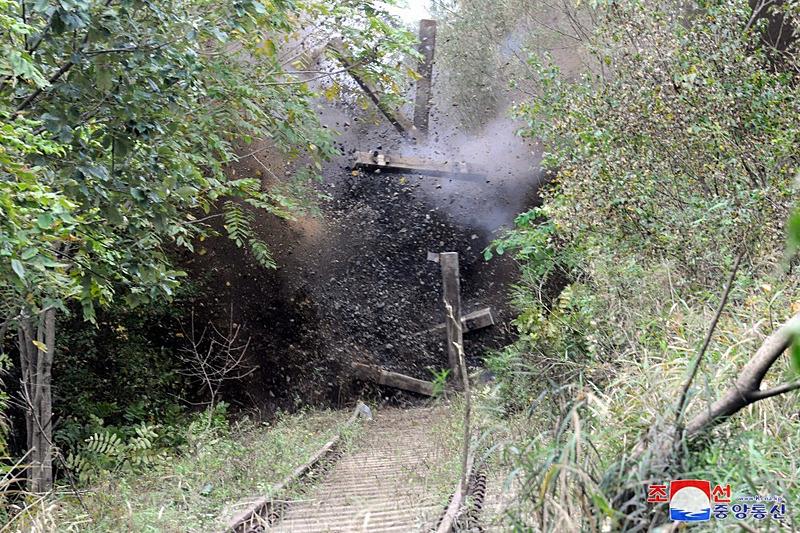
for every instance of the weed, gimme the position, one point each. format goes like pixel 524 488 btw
pixel 198 491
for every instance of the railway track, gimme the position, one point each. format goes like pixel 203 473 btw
pixel 383 486
pixel 398 479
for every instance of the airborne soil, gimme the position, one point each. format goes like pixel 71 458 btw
pixel 354 282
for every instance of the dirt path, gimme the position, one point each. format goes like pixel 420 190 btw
pixel 389 483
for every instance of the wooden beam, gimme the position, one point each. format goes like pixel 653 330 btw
pixel 422 98
pixel 417 165
pixel 482 318
pixel 451 294
pixel 392 379
pixel 400 122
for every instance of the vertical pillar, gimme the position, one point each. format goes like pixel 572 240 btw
pixel 422 104
pixel 451 282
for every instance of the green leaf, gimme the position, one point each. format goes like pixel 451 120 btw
pixel 29 253
pixel 206 489
pixel 44 221
pixel 97 172
pixel 104 78
pixel 793 228
pixel 267 48
pixel 795 354
pixel 17 267
pixel 22 67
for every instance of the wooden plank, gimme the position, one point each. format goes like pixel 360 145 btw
pixel 392 379
pixel 451 294
pixel 422 98
pixel 417 165
pixel 400 122
pixel 482 318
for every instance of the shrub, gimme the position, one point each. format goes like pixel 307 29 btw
pixel 674 155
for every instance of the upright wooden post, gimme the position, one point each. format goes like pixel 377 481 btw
pixel 422 103
pixel 451 282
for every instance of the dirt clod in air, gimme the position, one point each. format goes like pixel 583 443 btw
pixel 355 284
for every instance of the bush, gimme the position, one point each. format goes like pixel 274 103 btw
pixel 119 376
pixel 674 155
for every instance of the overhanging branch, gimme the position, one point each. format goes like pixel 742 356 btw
pixel 746 389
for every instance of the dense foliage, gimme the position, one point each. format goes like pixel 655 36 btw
pixel 675 155
pixel 119 118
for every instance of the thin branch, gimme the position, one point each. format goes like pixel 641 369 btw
pixel 709 334
pixel 757 13
pixel 775 391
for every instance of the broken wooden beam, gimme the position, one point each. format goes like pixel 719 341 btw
pixel 392 379
pixel 400 122
pixel 451 295
pixel 422 98
pixel 416 165
pixel 482 318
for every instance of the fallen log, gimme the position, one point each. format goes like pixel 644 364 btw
pixel 460 170
pixel 392 379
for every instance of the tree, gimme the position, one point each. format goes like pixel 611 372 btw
pixel 673 140
pixel 119 118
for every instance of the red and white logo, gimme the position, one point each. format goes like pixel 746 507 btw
pixel 690 500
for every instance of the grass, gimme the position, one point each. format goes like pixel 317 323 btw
pixel 491 434
pixel 580 427
pixel 199 491
pixel 448 434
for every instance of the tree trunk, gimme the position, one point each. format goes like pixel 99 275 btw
pixel 36 339
pixel 659 453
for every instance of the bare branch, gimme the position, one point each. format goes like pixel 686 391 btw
pixel 746 389
pixel 709 334
pixel 215 357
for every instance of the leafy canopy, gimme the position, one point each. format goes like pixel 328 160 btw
pixel 119 117
pixel 681 144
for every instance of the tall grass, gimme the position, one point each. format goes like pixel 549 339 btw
pixel 197 490
pixel 586 411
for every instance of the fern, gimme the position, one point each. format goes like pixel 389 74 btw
pixel 262 253
pixel 106 452
pixel 239 225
